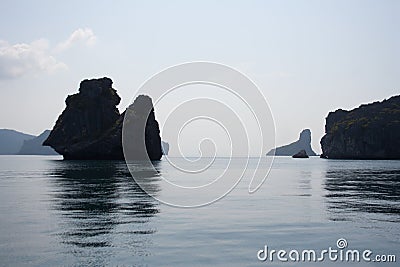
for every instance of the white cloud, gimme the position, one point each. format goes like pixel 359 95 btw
pixel 19 59
pixel 84 36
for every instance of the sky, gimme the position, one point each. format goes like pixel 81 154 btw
pixel 307 57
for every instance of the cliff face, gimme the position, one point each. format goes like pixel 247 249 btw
pixel 304 142
pixel 90 127
pixel 370 131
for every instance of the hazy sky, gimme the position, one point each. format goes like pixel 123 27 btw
pixel 307 57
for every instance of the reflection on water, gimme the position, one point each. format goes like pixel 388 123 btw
pixel 92 213
pixel 305 183
pixel 363 190
pixel 98 202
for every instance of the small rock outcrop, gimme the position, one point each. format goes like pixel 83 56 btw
pixel 90 127
pixel 304 142
pixel 302 154
pixel 370 131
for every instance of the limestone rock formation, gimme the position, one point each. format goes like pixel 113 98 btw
pixel 302 154
pixel 90 127
pixel 304 142
pixel 141 133
pixel 370 131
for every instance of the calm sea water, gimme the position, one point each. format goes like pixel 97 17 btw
pixel 74 213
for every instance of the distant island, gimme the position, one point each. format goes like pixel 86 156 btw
pixel 165 147
pixel 371 131
pixel 34 146
pixel 11 141
pixel 303 143
pixel 17 143
pixel 90 127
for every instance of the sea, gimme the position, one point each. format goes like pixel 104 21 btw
pixel 94 213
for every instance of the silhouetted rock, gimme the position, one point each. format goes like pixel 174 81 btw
pixel 34 146
pixel 90 127
pixel 304 142
pixel 302 154
pixel 11 141
pixel 370 131
pixel 136 140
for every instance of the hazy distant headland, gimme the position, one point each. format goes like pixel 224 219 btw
pixel 11 141
pixel 35 146
pixel 371 131
pixel 17 143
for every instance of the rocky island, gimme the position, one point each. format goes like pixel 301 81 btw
pixel 303 143
pixel 371 131
pixel 90 127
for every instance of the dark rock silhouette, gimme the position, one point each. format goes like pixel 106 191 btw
pixel 141 133
pixel 302 154
pixel 90 127
pixel 11 141
pixel 371 131
pixel 304 142
pixel 34 146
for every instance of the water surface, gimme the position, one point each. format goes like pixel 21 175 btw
pixel 73 213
